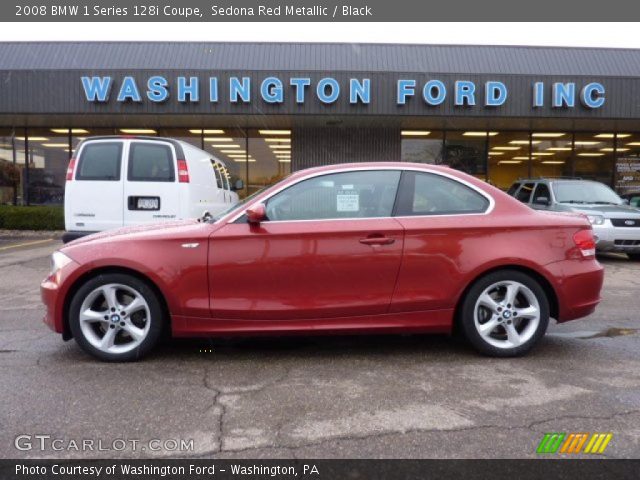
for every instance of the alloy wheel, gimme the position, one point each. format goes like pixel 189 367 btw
pixel 507 314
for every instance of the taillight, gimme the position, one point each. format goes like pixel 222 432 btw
pixel 585 242
pixel 183 171
pixel 71 168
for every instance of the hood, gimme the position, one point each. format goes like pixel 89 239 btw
pixel 136 231
pixel 607 211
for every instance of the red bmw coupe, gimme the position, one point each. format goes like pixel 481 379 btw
pixel 368 247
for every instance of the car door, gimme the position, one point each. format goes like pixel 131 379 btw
pixel 445 226
pixel 329 248
pixel 93 198
pixel 150 191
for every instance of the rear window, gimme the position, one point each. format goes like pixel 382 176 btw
pixel 524 194
pixel 100 161
pixel 149 162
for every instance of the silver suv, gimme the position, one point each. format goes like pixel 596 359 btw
pixel 616 225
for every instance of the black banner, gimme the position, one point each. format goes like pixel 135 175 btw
pixel 313 11
pixel 319 469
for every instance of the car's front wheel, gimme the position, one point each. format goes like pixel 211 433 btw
pixel 116 317
pixel 505 313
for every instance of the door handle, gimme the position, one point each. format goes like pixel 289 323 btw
pixel 377 241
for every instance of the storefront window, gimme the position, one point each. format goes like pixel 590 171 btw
pixel 508 158
pixel 627 169
pixel 47 157
pixel 422 146
pixel 189 135
pixel 9 172
pixel 594 156
pixel 467 151
pixel 551 154
pixel 230 146
pixel 269 157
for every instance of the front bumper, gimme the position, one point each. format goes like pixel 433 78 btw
pixel 617 239
pixel 53 291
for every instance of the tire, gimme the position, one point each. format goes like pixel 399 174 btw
pixel 487 320
pixel 103 331
pixel 634 257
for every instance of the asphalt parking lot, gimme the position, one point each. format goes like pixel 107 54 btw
pixel 343 397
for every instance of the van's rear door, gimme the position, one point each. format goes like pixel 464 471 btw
pixel 151 192
pixel 93 198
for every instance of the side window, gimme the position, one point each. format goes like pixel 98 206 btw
pixel 524 194
pixel 150 162
pixel 542 191
pixel 100 161
pixel 217 174
pixel 512 189
pixel 432 194
pixel 359 194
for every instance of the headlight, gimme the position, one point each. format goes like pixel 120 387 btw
pixel 596 219
pixel 58 261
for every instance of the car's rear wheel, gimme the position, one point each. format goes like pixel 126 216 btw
pixel 505 313
pixel 116 317
pixel 634 256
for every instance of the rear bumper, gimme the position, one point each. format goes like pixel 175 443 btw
pixel 70 236
pixel 579 287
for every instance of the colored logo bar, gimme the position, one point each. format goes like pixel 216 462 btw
pixel 574 442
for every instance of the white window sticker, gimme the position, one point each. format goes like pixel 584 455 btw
pixel 347 201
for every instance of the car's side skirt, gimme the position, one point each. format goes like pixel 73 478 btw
pixel 434 321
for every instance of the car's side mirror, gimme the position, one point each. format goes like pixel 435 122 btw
pixel 541 201
pixel 256 213
pixel 239 185
pixel 626 201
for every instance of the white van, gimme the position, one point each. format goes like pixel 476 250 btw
pixel 118 181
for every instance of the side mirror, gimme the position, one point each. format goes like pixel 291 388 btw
pixel 541 201
pixel 625 201
pixel 256 213
pixel 239 185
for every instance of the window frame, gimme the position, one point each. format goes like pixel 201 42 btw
pixel 410 194
pixel 78 170
pixel 240 216
pixel 168 146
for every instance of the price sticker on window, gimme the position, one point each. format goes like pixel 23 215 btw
pixel 348 201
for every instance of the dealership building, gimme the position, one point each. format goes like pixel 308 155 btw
pixel 265 109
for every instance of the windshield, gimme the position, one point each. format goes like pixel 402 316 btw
pixel 585 192
pixel 242 202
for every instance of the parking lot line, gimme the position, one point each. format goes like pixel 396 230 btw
pixel 26 244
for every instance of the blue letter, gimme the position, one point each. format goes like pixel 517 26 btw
pixel 592 95
pixel 322 92
pixel 406 88
pixel 190 89
pixel 495 94
pixel 538 94
pixel 96 88
pixel 300 83
pixel 271 90
pixel 359 90
pixel 564 94
pixel 213 89
pixel 427 92
pixel 157 89
pixel 129 90
pixel 465 91
pixel 237 89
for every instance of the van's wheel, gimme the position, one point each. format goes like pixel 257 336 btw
pixel 504 314
pixel 116 317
